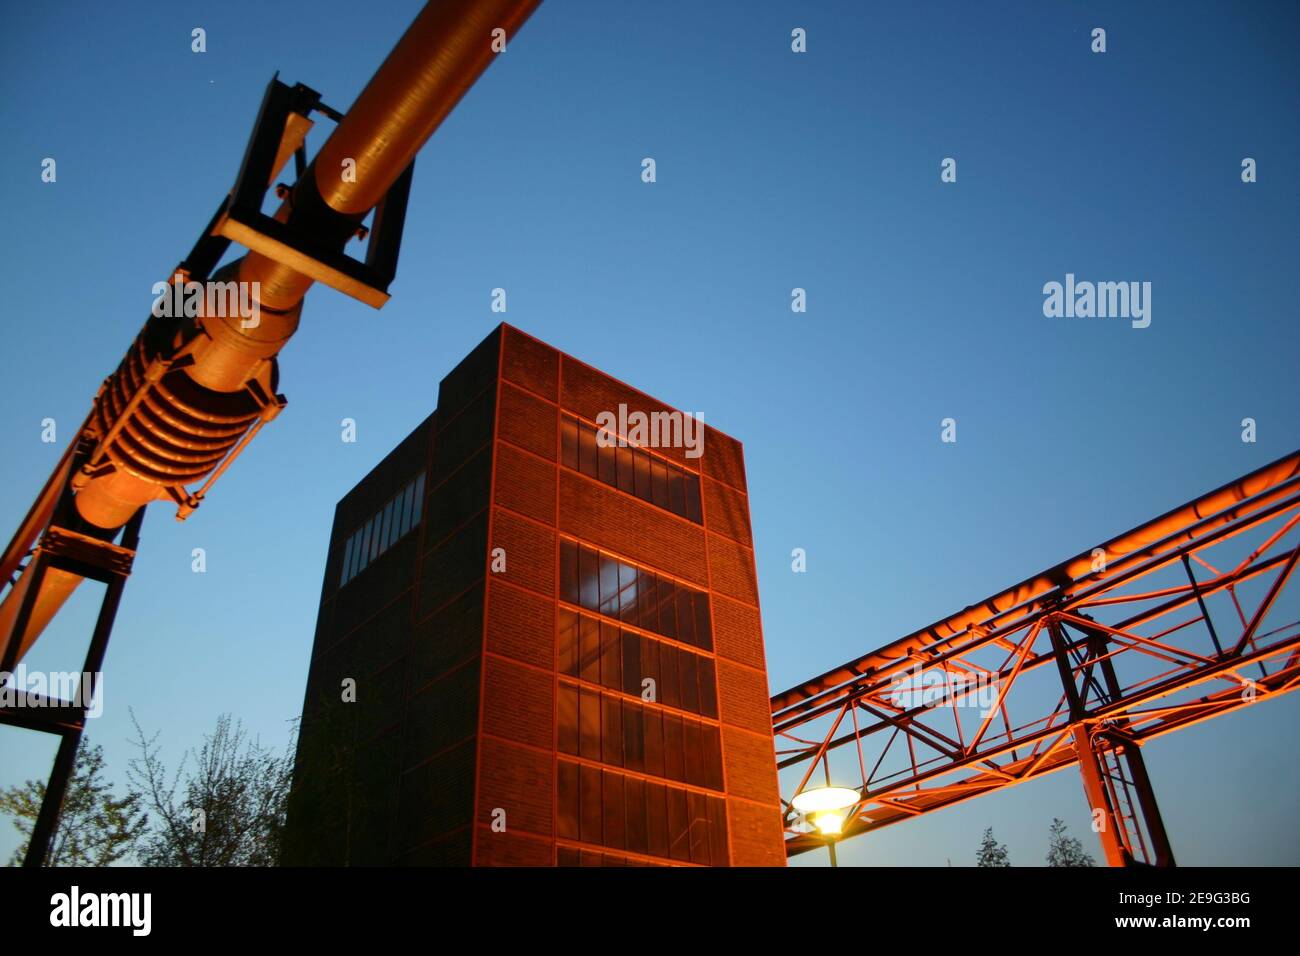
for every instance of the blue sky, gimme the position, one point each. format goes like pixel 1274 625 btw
pixel 775 170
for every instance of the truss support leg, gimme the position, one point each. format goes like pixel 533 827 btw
pixel 1108 820
pixel 38 848
pixel 1096 744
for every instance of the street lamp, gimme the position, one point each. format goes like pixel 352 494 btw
pixel 827 807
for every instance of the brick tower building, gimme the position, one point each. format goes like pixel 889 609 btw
pixel 537 647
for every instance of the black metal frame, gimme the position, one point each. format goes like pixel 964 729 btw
pixel 240 217
pixel 86 557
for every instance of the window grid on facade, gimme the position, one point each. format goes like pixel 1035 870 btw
pixel 630 469
pixel 600 652
pixel 606 808
pixel 638 597
pixel 383 529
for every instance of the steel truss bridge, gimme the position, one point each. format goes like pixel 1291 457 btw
pixel 1159 629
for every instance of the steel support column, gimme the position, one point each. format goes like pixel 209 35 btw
pixel 1097 746
pixel 110 564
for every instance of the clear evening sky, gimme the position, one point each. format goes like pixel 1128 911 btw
pixel 775 171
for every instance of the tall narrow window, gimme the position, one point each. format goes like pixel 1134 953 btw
pixel 365 546
pixel 408 498
pixel 347 562
pixel 418 508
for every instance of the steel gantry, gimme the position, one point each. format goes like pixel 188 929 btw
pixel 1156 630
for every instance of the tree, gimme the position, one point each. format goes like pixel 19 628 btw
pixel 228 810
pixel 95 828
pixel 1065 850
pixel 991 852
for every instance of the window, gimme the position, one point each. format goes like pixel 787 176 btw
pixel 607 808
pixel 630 469
pixel 347 561
pixel 365 547
pixel 616 731
pixel 603 584
pixel 601 654
pixel 399 515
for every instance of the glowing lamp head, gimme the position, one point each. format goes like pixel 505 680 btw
pixel 827 807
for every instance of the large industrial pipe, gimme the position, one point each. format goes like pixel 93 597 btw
pixel 440 56
pixel 161 425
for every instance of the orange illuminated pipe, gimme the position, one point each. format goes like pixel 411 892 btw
pixel 1260 488
pixel 440 56
pixel 188 391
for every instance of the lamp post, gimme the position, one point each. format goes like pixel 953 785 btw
pixel 827 807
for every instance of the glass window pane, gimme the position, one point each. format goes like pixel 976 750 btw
pixel 656 817
pixel 611 656
pixel 691 485
pixel 589 649
pixel 686 616
pixel 347 562
pixel 650 668
pixel 674 748
pixel 365 547
pixel 659 483
pixel 689 684
pixel 589 579
pixel 569 571
pixel 652 724
pixel 566 801
pixel 568 442
pixel 718 831
pixel 611 731
pixel 676 494
pixel 567 642
pixel 712 757
pixel 395 528
pixel 615 814
pixel 679 842
pixel 356 552
pixel 631 663
pixel 417 510
pixel 667 608
pixel 606 458
pixel 641 475
pixel 693 750
pixel 627 603
pixel 708 688
pixel 648 602
pixel 587 450
pixel 633 737
pixel 608 586
pixel 636 819
pixel 703 626
pixel 626 471
pixel 669 695
pixel 588 724
pixel 385 526
pixel 408 498
pixel 567 719
pixel 697 807
pixel 589 806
